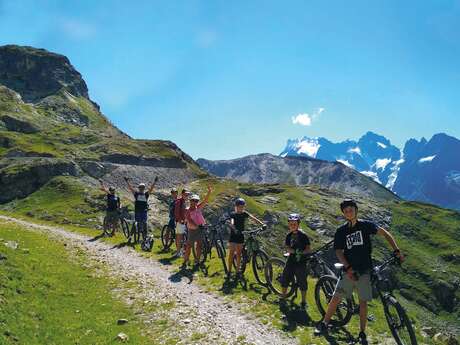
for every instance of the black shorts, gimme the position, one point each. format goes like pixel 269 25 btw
pixel 295 270
pixel 236 238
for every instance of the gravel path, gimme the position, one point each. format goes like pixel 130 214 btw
pixel 195 310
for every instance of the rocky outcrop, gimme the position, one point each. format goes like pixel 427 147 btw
pixel 17 125
pixel 21 177
pixel 120 158
pixel 445 294
pixel 37 73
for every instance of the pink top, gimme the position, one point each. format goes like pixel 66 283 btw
pixel 195 218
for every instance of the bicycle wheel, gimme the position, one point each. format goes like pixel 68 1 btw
pixel 168 236
pixel 273 272
pixel 258 266
pixel 398 321
pixel 125 227
pixel 324 290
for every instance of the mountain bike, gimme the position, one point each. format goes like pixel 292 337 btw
pixel 168 236
pixel 399 323
pixel 316 267
pixel 212 238
pixel 252 253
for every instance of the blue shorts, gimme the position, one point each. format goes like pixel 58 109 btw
pixel 140 217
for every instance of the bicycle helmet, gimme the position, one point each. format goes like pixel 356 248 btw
pixel 240 202
pixel 111 189
pixel 294 216
pixel 173 190
pixel 195 197
pixel 141 185
pixel 347 203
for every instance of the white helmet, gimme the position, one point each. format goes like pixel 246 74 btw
pixel 141 185
pixel 195 197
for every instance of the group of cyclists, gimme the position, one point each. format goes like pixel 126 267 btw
pixel 352 244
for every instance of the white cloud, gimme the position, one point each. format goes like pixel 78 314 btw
pixel 306 119
pixel 302 119
pixel 77 29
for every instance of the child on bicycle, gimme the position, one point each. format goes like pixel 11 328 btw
pixel 298 246
pixel 195 223
pixel 236 241
pixel 353 247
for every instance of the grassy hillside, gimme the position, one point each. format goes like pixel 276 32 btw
pixel 38 306
pixel 427 282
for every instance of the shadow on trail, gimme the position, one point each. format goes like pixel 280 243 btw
pixel 294 316
pixel 123 244
pixel 340 336
pixel 182 273
pixel 95 238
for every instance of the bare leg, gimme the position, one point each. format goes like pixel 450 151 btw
pixel 239 248
pixel 198 251
pixel 188 248
pixel 179 238
pixel 332 307
pixel 231 252
pixel 363 315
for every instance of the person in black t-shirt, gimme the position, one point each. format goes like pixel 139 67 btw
pixel 235 243
pixel 112 208
pixel 298 246
pixel 353 247
pixel 141 206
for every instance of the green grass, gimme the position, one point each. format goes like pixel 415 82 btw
pixel 415 227
pixel 48 297
pixel 63 199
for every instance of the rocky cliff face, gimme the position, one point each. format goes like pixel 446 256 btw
pixel 50 127
pixel 36 73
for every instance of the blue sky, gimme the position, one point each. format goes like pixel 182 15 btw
pixel 226 78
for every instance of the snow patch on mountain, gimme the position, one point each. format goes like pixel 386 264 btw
pixel 345 162
pixel 426 159
pixel 394 173
pixel 382 163
pixel 355 150
pixel 372 175
pixel 309 147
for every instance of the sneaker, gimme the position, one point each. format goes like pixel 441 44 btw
pixel 363 338
pixel 184 265
pixel 321 328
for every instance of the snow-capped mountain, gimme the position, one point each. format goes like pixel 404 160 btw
pixel 426 171
pixel 372 155
pixel 431 171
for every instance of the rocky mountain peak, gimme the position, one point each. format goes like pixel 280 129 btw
pixel 37 73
